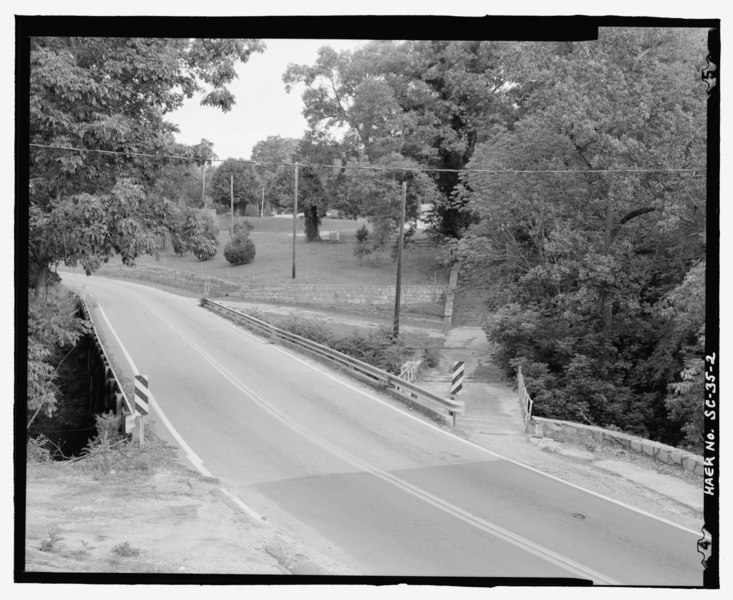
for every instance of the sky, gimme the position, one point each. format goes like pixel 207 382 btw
pixel 263 106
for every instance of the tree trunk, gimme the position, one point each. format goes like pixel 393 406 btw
pixel 312 222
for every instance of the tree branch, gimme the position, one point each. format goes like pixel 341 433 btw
pixel 635 213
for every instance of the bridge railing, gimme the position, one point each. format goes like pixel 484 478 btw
pixel 369 374
pixel 525 399
pixel 409 370
pixel 106 387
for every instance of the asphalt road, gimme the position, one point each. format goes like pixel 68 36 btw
pixel 336 465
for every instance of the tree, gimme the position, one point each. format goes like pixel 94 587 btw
pixel 426 101
pixel 235 176
pixel 585 259
pixel 182 181
pixel 194 230
pixel 103 101
pixel 681 352
pixel 273 178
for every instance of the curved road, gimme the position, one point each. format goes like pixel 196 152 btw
pixel 335 465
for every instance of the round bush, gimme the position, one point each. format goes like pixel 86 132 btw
pixel 179 246
pixel 239 251
pixel 204 250
pixel 251 210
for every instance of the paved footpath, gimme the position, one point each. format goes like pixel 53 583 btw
pixel 491 408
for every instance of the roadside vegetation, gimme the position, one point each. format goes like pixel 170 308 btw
pixel 377 348
pixel 580 199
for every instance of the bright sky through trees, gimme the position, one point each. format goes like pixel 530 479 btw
pixel 263 106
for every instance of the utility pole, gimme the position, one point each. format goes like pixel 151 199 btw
pixel 262 207
pixel 398 286
pixel 295 215
pixel 203 185
pixel 231 204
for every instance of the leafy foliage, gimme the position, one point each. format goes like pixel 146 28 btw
pixel 378 348
pixel 53 330
pixel 422 100
pixel 106 98
pixel 240 250
pixel 235 179
pixel 361 248
pixel 194 231
pixel 586 262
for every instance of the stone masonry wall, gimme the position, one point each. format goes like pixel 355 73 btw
pixel 566 431
pixel 295 293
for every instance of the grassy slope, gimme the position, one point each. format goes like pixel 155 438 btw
pixel 327 262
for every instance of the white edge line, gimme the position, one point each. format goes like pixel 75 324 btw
pixel 243 506
pixel 190 454
pixel 114 333
pixel 448 433
pixel 516 540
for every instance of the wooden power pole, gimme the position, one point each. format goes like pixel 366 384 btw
pixel 398 286
pixel 231 204
pixel 295 215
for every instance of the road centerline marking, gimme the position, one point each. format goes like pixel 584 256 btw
pixel 447 507
pixel 316 366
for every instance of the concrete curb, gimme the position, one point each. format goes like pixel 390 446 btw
pixel 567 431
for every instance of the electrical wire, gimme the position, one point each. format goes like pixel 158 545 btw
pixel 699 170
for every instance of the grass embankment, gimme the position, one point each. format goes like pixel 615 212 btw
pixel 316 262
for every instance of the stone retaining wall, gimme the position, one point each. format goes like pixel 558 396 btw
pixel 358 296
pixel 566 431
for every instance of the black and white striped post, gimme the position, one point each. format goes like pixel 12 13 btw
pixel 142 400
pixel 456 383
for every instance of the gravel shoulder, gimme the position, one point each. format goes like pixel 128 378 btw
pixel 169 519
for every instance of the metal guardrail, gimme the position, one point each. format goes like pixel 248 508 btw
pixel 524 398
pixel 111 395
pixel 363 371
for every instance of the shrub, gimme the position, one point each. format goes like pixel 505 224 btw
pixel 203 248
pixel 125 550
pixel 239 251
pixel 431 358
pixel 51 543
pixel 37 452
pixel 362 234
pixel 251 210
pixel 242 228
pixel 361 249
pixel 378 348
pixel 179 245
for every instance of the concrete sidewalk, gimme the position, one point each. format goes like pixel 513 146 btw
pixel 491 407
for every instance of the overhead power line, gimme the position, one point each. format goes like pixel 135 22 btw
pixel 370 167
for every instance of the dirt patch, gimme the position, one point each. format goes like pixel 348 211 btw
pixel 171 520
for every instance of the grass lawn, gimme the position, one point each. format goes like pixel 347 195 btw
pixel 316 262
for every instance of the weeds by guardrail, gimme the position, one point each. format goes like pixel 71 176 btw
pixel 403 389
pixel 106 388
pixel 525 399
